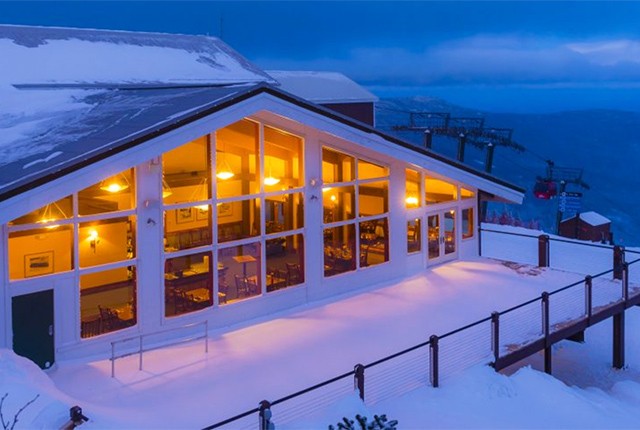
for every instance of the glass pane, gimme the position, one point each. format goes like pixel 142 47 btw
pixel 338 203
pixel 106 241
pixel 107 301
pixel 412 197
pixel 49 214
pixel 283 160
pixel 239 269
pixel 414 241
pixel 186 173
pixel 467 223
pixel 40 252
pixel 337 167
pixel 284 212
pixel 188 283
pixel 187 228
pixel 368 170
pixel 450 232
pixel 373 198
pixel 433 236
pixel 374 242
pixel 466 194
pixel 339 249
pixel 116 193
pixel 285 262
pixel 238 220
pixel 237 148
pixel 437 191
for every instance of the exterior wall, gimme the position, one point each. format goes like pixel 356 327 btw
pixel 149 259
pixel 575 228
pixel 364 112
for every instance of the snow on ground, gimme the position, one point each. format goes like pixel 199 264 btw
pixel 181 387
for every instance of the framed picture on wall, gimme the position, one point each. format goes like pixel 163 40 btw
pixel 225 209
pixel 202 214
pixel 38 264
pixel 184 215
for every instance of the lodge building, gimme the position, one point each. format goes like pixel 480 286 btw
pixel 157 203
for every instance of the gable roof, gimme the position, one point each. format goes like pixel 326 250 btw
pixel 592 218
pixel 115 120
pixel 322 87
pixel 42 56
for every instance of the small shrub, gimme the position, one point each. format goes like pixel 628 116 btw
pixel 379 422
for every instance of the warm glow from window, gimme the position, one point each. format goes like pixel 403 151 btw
pixel 412 201
pixel 270 180
pixel 224 175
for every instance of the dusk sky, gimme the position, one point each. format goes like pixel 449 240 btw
pixel 501 56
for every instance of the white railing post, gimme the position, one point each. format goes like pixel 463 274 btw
pixel 140 365
pixel 113 360
pixel 206 336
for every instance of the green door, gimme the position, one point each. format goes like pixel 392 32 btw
pixel 33 327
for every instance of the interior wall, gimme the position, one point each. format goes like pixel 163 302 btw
pixel 51 244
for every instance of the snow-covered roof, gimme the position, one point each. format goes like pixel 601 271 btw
pixel 68 56
pixel 49 130
pixel 592 218
pixel 322 87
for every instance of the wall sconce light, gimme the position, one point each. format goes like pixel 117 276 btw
pixel 94 240
pixel 412 201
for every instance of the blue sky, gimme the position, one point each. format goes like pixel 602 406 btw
pixel 501 56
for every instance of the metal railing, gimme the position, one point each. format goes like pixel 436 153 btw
pixel 485 341
pixel 141 348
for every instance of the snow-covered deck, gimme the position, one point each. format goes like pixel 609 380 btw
pixel 180 386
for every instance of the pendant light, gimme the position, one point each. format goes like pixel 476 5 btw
pixel 223 170
pixel 271 180
pixel 115 184
pixel 201 193
pixel 52 212
pixel 166 189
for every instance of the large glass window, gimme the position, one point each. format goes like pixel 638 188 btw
pixel 116 193
pixel 107 301
pixel 239 272
pixel 354 212
pixel 48 215
pixel 106 241
pixel 283 160
pixel 285 261
pixel 439 191
pixel 414 235
pixel 188 283
pixel 467 223
pixel 41 251
pixel 412 184
pixel 237 161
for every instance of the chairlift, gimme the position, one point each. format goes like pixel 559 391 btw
pixel 545 189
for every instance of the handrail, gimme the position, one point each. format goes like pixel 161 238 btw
pixel 508 233
pixel 141 348
pixel 422 344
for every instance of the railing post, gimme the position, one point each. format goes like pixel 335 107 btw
pixel 495 336
pixel 428 138
pixel 140 365
pixel 625 282
pixel 588 297
pixel 264 416
pixel 433 361
pixel 545 330
pixel 618 340
pixel 618 261
pixel 206 336
pixel 358 380
pixel 113 360
pixel 543 250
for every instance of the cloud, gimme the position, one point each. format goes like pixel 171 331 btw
pixel 484 59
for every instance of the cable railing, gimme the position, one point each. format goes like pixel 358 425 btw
pixel 140 348
pixel 501 339
pixel 551 251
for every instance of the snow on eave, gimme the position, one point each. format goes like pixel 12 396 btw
pixel 592 218
pixel 322 87
pixel 70 56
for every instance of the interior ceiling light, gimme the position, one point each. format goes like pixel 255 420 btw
pixel 271 180
pixel 412 200
pixel 201 193
pixel 52 212
pixel 223 170
pixel 115 184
